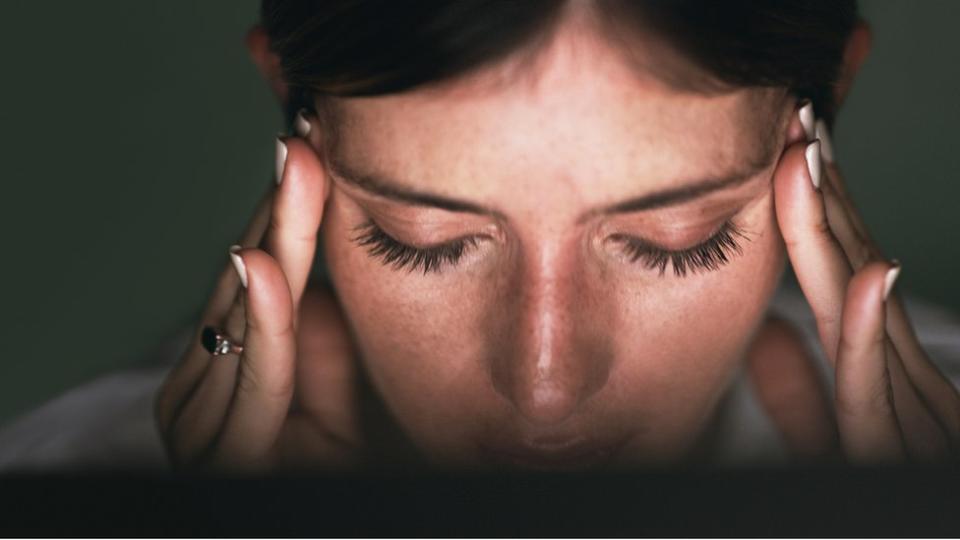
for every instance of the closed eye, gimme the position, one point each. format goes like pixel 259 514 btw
pixel 398 255
pixel 706 256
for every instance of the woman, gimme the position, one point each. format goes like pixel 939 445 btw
pixel 552 233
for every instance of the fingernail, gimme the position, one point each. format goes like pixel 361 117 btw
pixel 813 162
pixel 300 124
pixel 826 142
pixel 281 159
pixel 238 264
pixel 891 279
pixel 807 119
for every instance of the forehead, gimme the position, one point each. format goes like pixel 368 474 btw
pixel 576 113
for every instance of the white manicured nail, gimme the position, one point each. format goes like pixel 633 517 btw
pixel 891 279
pixel 826 142
pixel 238 264
pixel 300 124
pixel 281 159
pixel 807 120
pixel 813 162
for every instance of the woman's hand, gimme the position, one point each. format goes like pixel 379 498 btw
pixel 235 412
pixel 892 403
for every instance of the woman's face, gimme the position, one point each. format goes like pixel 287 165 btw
pixel 588 254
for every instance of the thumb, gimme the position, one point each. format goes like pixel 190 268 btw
pixel 265 379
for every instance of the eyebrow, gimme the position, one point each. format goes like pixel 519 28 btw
pixel 396 191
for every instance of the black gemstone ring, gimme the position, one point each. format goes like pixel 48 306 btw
pixel 217 343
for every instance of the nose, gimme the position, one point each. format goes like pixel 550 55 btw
pixel 551 357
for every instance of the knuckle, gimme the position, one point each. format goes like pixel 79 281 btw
pixel 276 222
pixel 853 346
pixel 291 230
pixel 248 381
pixel 863 253
pixel 818 230
pixel 827 319
pixel 305 237
pixel 820 227
pixel 791 243
pixel 871 402
pixel 251 382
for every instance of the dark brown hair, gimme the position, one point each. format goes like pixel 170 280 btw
pixel 370 47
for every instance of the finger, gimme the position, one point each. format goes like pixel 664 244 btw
pixel 835 179
pixel 201 417
pixel 939 394
pixel 818 260
pixel 291 237
pixel 228 286
pixel 791 390
pixel 198 422
pixel 923 435
pixel 911 374
pixel 286 226
pixel 832 220
pixel 265 376
pixel 924 438
pixel 940 399
pixel 184 377
pixel 866 417
pixel 857 248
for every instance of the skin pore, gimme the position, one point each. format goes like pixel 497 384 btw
pixel 565 317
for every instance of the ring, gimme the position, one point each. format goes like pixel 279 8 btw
pixel 217 343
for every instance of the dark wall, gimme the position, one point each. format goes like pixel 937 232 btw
pixel 136 138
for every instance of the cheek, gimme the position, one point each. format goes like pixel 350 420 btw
pixel 679 343
pixel 419 336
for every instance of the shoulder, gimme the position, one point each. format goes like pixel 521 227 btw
pixel 107 422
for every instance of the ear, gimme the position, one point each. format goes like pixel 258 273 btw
pixel 855 53
pixel 268 63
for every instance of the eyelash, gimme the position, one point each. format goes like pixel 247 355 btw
pixel 401 256
pixel 708 255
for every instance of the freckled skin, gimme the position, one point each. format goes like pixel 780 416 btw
pixel 545 329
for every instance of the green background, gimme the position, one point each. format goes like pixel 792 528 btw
pixel 136 138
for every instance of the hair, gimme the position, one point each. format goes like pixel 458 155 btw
pixel 349 48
